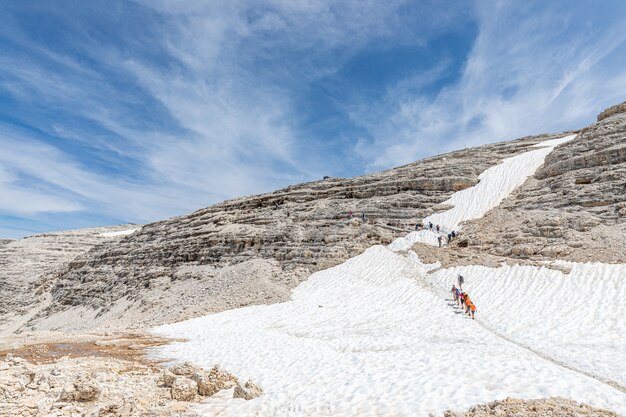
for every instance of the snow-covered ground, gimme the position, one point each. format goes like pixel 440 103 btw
pixel 379 336
pixel 119 233
pixel 495 184
pixel 575 318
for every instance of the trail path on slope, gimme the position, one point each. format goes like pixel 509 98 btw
pixel 496 183
pixel 442 292
pixel 562 364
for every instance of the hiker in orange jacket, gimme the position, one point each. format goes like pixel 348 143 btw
pixel 472 310
pixel 468 303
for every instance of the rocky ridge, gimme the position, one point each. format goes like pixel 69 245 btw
pixel 573 208
pixel 30 266
pixel 255 249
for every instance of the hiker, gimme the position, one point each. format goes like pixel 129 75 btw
pixel 439 240
pixel 437 228
pixel 473 310
pixel 453 234
pixel 350 214
pixel 468 303
pixel 430 225
pixel 453 291
pixel 461 281
pixel 457 294
pixel 363 216
pixel 449 237
pixel 463 300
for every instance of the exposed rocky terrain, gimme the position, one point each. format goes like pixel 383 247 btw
pixel 30 266
pixel 573 208
pixel 105 376
pixel 549 407
pixel 256 249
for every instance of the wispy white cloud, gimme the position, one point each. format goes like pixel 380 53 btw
pixel 532 69
pixel 199 102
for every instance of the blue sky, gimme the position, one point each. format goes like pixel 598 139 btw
pixel 133 111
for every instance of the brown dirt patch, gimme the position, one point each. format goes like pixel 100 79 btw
pixel 127 347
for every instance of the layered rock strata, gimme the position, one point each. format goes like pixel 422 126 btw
pixel 573 208
pixel 30 266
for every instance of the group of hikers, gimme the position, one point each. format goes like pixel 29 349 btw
pixel 462 298
pixel 432 227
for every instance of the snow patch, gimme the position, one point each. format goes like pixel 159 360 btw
pixel 496 183
pixel 119 233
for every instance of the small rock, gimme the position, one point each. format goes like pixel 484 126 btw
pixel 83 389
pixel 216 380
pixel 168 378
pixel 183 369
pixel 184 389
pixel 249 391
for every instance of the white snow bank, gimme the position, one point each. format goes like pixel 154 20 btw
pixel 376 336
pixel 119 233
pixel 406 242
pixel 578 318
pixel 496 183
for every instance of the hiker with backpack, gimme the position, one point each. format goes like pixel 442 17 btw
pixel 461 281
pixel 472 310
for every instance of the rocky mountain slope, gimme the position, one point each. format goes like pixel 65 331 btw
pixel 30 266
pixel 573 208
pixel 256 249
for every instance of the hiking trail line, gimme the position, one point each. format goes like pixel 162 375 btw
pixel 440 291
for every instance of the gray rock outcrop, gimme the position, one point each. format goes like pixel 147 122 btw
pixel 248 392
pixel 83 389
pixel 184 389
pixel 30 266
pixel 573 208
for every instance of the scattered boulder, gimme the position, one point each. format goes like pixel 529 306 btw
pixel 184 389
pixel 184 369
pixel 214 381
pixel 249 391
pixel 168 378
pixel 84 389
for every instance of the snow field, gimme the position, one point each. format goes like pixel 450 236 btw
pixel 374 336
pixel 380 336
pixel 496 183
pixel 577 318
